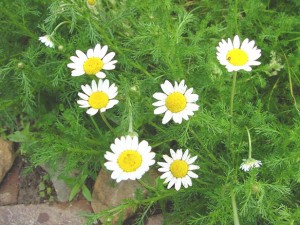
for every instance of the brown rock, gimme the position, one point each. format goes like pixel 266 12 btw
pixel 108 194
pixel 7 157
pixel 155 220
pixel 9 189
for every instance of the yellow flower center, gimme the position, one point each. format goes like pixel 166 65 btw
pixel 176 102
pixel 91 2
pixel 130 160
pixel 98 100
pixel 237 57
pixel 179 168
pixel 92 65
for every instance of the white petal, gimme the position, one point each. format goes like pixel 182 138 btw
pixel 72 65
pixel 92 111
pixel 143 145
pixel 192 174
pixel 236 42
pixel 112 103
pixel 77 72
pixel 185 155
pixel 90 53
pixel 179 154
pixel 97 50
pixel 100 75
pixel 103 51
pixel 109 67
pixel 167 117
pixel 178 184
pixel 108 57
pixel 81 55
pixel 83 103
pixel 94 86
pixel 160 110
pixel 105 85
pixel 193 167
pixel 171 183
pixel 168 159
pixel 192 160
pixel 167 87
pixel 110 165
pixel 160 96
pixel 83 96
pixel 177 118
pixel 87 89
pixel 76 60
pixel 159 103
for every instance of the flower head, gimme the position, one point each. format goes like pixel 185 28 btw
pixel 91 2
pixel 250 163
pixel 129 158
pixel 236 56
pixel 177 102
pixel 93 62
pixel 47 41
pixel 98 97
pixel 178 169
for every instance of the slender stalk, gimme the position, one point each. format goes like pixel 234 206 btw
pixel 59 25
pixel 234 208
pixel 231 106
pixel 130 126
pixel 232 95
pixel 250 145
pixel 106 121
pixel 96 126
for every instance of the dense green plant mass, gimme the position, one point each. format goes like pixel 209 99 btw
pixel 155 41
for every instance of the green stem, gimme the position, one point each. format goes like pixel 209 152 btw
pixel 96 126
pixel 106 121
pixel 59 25
pixel 234 208
pixel 130 126
pixel 231 105
pixel 236 16
pixel 250 146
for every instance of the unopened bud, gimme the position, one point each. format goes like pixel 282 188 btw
pixel 60 47
pixel 20 65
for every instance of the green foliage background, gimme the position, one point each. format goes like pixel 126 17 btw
pixel 154 41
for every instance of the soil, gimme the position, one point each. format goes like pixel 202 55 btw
pixel 33 184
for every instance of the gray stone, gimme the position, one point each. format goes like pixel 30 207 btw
pixel 7 157
pixel 61 188
pixel 108 194
pixel 43 214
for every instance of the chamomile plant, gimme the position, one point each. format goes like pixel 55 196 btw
pixel 111 85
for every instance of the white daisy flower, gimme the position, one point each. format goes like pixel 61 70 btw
pixel 129 158
pixel 177 102
pixel 250 163
pixel 98 97
pixel 47 41
pixel 236 56
pixel 93 62
pixel 178 169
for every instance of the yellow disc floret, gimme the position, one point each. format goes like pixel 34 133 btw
pixel 176 102
pixel 91 2
pixel 92 65
pixel 179 168
pixel 237 57
pixel 130 160
pixel 98 100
